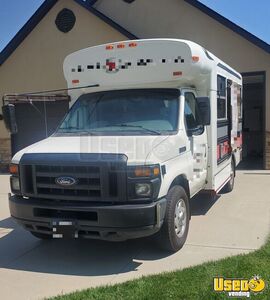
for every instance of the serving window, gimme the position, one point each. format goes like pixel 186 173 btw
pixel 221 98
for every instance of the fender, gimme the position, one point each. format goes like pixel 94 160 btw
pixel 180 163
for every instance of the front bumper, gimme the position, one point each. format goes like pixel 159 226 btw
pixel 107 222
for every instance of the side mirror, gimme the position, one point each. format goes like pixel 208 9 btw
pixel 10 118
pixel 204 109
pixel 195 131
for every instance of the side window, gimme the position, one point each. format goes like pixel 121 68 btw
pixel 221 98
pixel 191 111
pixel 78 117
pixel 239 102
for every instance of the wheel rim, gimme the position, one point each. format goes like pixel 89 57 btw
pixel 180 218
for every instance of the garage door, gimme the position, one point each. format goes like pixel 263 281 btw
pixel 253 120
pixel 36 121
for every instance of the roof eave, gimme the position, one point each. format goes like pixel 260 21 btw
pixel 106 19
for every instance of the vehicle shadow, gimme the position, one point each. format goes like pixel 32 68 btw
pixel 251 164
pixel 202 203
pixel 19 250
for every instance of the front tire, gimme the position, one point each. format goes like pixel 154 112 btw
pixel 173 233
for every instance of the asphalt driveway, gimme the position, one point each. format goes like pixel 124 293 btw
pixel 233 223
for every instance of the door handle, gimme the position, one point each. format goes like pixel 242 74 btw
pixel 205 150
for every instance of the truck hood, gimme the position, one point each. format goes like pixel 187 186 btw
pixel 139 149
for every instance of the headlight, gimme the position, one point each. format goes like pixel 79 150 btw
pixel 15 184
pixel 14 179
pixel 143 189
pixel 143 182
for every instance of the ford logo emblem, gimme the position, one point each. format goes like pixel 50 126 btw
pixel 66 181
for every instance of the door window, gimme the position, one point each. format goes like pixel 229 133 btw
pixel 192 117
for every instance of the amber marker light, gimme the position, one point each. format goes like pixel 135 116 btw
pixel 109 47
pixel 156 171
pixel 13 169
pixel 146 171
pixel 142 172
pixel 132 45
pixel 121 46
pixel 195 58
pixel 177 73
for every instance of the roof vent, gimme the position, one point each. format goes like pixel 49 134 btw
pixel 128 1
pixel 65 20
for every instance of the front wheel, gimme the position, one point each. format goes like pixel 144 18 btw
pixel 174 230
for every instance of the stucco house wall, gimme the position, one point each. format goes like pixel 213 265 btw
pixel 37 64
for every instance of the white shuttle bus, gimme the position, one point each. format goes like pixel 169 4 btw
pixel 151 124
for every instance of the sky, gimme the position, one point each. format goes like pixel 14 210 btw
pixel 13 15
pixel 252 15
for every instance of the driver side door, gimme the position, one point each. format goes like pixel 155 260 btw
pixel 196 142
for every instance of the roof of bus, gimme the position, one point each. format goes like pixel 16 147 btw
pixel 143 61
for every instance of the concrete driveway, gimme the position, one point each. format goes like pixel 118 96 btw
pixel 234 223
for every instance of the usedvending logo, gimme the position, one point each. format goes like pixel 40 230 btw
pixel 239 287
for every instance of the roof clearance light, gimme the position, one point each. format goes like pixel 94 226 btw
pixel 177 73
pixel 75 81
pixel 195 58
pixel 132 45
pixel 109 47
pixel 121 46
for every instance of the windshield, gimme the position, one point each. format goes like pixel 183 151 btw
pixel 126 112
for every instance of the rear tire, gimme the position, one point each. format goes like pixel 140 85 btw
pixel 41 236
pixel 173 233
pixel 230 184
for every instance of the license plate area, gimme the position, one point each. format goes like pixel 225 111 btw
pixel 64 229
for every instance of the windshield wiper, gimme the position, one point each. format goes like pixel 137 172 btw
pixel 135 126
pixel 77 130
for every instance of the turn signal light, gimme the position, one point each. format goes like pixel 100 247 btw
pixel 156 171
pixel 13 169
pixel 146 171
pixel 142 172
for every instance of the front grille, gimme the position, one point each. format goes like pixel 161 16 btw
pixel 88 181
pixel 96 179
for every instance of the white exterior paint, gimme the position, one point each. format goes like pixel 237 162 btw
pixel 197 73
